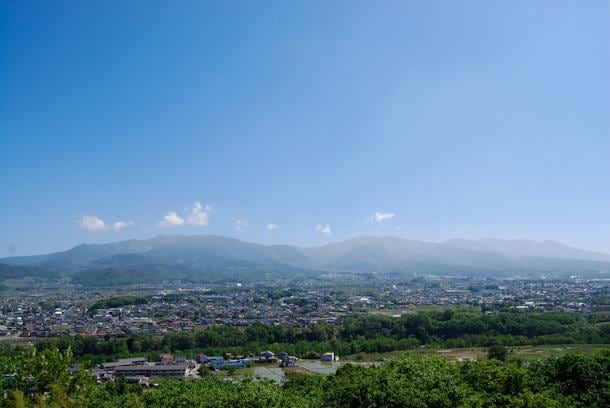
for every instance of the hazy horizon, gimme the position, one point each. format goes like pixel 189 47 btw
pixel 331 241
pixel 307 123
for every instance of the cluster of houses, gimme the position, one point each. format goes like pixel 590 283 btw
pixel 66 312
pixel 137 370
pixel 27 317
pixel 571 295
pixel 218 362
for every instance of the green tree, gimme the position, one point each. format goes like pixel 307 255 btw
pixel 497 352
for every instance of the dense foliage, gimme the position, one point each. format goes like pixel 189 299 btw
pixel 41 379
pixel 365 334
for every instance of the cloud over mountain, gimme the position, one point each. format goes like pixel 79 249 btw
pixel 324 229
pixel 195 215
pixel 93 223
pixel 171 219
pixel 199 215
pixel 379 217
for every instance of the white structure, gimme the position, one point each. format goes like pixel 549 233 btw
pixel 328 357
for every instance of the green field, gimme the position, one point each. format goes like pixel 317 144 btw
pixel 522 352
pixel 18 341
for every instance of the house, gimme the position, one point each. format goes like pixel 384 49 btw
pixel 142 381
pixel 267 356
pixel 167 359
pixel 215 362
pixel 123 362
pixel 102 376
pixel 328 357
pixel 150 370
pixel 288 361
pixel 241 363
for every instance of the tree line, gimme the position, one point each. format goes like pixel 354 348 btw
pixel 363 334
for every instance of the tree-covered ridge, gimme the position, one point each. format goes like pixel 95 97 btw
pixel 32 379
pixel 364 334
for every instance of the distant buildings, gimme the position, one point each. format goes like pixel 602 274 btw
pixel 288 361
pixel 215 362
pixel 152 370
pixel 65 312
pixel 267 355
pixel 239 363
pixel 167 359
pixel 328 357
pixel 123 362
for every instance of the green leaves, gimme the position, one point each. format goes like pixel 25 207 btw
pixel 41 379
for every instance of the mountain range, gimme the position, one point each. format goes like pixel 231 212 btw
pixel 210 258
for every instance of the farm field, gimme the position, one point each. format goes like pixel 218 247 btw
pixel 316 367
pixel 524 352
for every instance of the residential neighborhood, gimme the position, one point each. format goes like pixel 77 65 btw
pixel 176 307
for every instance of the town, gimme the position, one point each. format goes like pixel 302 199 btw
pixel 156 309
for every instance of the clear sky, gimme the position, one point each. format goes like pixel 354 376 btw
pixel 303 122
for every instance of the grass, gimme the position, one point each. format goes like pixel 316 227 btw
pixel 523 352
pixel 238 374
pixel 297 370
pixel 19 341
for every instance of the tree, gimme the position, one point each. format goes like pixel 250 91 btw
pixel 497 352
pixel 310 355
pixel 204 371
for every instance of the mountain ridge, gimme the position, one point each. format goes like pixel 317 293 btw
pixel 205 257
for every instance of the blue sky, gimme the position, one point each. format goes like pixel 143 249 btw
pixel 427 120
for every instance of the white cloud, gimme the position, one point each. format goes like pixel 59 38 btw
pixel 171 219
pixel 199 215
pixel 379 217
pixel 92 223
pixel 195 215
pixel 240 223
pixel 271 227
pixel 119 225
pixel 324 229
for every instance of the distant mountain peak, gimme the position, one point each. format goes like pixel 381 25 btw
pixel 212 255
